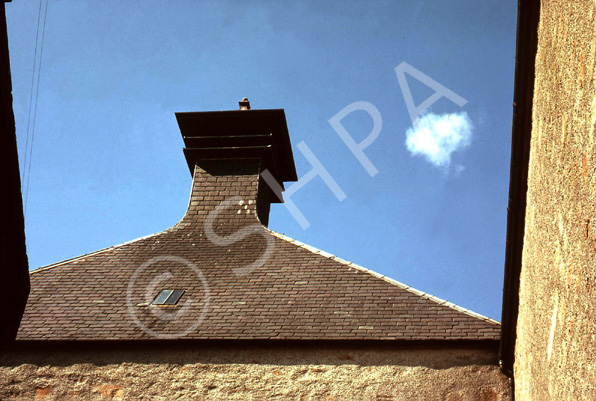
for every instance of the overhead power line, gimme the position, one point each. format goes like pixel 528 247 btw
pixel 33 100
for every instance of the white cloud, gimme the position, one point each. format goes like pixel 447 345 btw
pixel 437 136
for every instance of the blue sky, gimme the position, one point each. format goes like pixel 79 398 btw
pixel 107 165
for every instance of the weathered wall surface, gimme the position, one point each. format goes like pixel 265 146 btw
pixel 256 374
pixel 556 346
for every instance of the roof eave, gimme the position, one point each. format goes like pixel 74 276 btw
pixel 76 345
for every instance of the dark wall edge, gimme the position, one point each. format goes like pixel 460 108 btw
pixel 528 16
pixel 14 266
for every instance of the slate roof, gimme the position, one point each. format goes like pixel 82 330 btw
pixel 241 282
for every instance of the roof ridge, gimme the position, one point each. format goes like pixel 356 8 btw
pixel 403 286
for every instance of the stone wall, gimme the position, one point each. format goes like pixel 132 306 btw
pixel 556 346
pixel 301 374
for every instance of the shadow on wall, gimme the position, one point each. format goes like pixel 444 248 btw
pixel 439 357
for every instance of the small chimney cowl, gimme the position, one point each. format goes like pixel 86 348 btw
pixel 244 104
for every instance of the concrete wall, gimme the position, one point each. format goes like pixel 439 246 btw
pixel 455 374
pixel 556 346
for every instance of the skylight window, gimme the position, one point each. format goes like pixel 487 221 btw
pixel 168 297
